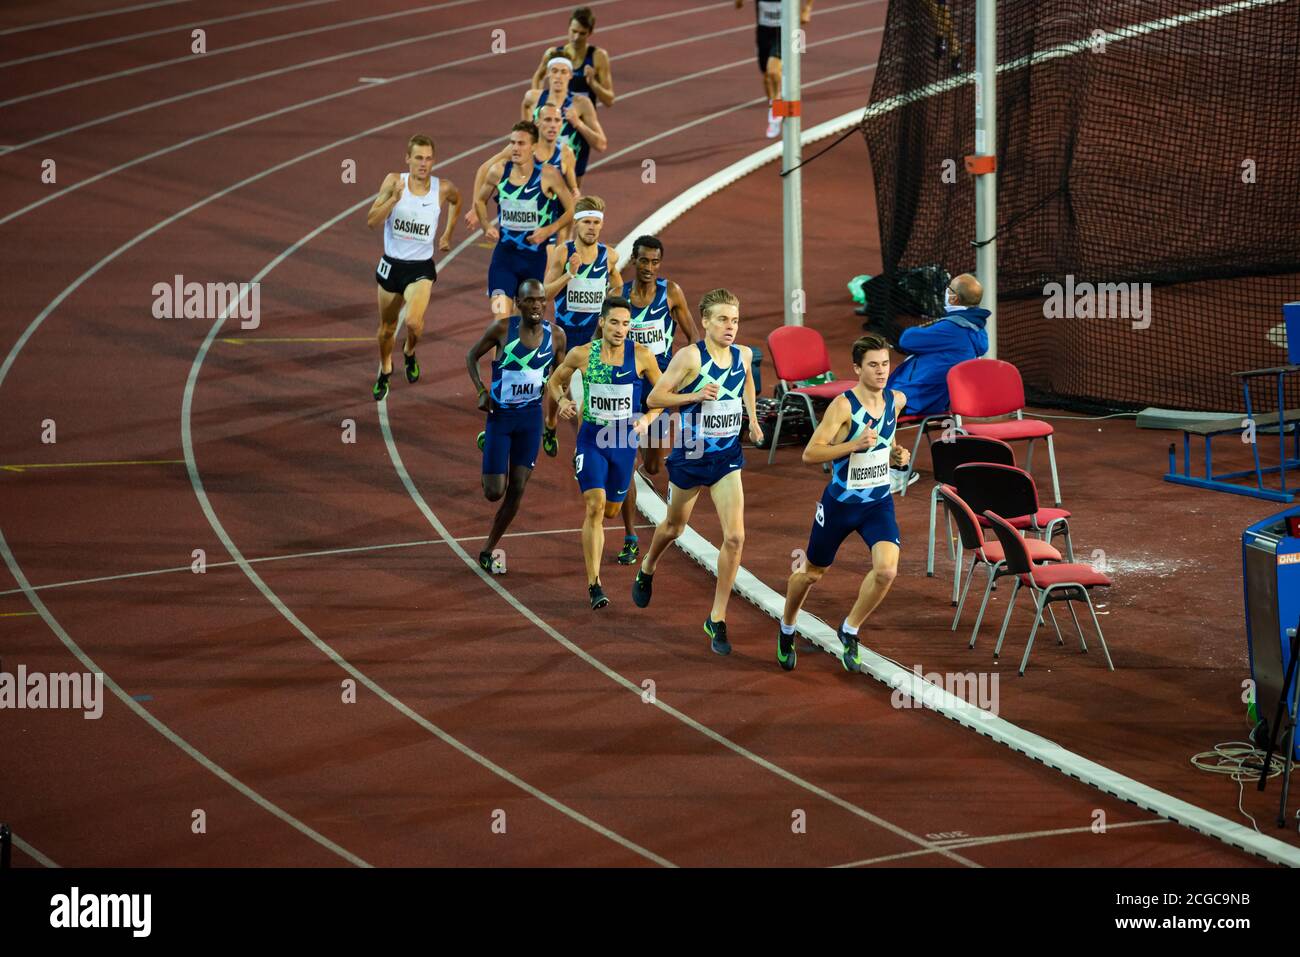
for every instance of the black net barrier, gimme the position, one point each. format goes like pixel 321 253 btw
pixel 1148 187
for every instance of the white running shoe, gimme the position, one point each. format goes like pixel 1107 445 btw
pixel 773 126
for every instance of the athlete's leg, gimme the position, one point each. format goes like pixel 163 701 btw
pixel 680 505
pixel 417 300
pixel 728 496
pixel 514 494
pixel 772 78
pixel 390 309
pixel 796 590
pixel 884 569
pixel 593 532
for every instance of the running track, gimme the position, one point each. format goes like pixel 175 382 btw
pixel 467 704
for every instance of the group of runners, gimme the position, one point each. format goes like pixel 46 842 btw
pixel 623 360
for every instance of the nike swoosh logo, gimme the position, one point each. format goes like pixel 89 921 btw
pixel 621 491
pixel 734 465
pixel 621 375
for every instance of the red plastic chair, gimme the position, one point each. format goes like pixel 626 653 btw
pixel 985 388
pixel 800 353
pixel 1067 582
pixel 1010 491
pixel 987 553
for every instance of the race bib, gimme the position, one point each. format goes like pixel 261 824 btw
pixel 720 418
pixel 584 294
pixel 412 230
pixel 868 470
pixel 520 386
pixel 651 335
pixel 609 400
pixel 769 13
pixel 519 215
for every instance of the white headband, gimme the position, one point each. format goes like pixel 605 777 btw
pixel 560 59
pixel 588 214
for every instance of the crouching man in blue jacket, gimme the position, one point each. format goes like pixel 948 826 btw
pixel 938 346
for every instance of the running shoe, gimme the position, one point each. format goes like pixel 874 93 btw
pixel 597 596
pixel 550 445
pixel 380 391
pixel 717 632
pixel 641 586
pixel 852 656
pixel 773 126
pixel 482 440
pixel 631 551
pixel 485 561
pixel 412 368
pixel 786 656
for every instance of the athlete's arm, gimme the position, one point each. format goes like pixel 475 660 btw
pixel 492 338
pixel 485 192
pixel 570 166
pixel 389 193
pixel 558 384
pixel 539 75
pixel 559 343
pixel 898 454
pixel 553 185
pixel 647 366
pixel 471 218
pixel 582 117
pixel 600 79
pixel 683 366
pixel 559 268
pixel 451 196
pixel 827 443
pixel 681 312
pixel 616 280
pixel 530 101
pixel 755 430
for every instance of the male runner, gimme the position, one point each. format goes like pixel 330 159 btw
pixel 709 382
pixel 593 73
pixel 526 345
pixel 549 149
pixel 611 369
pixel 659 309
pixel 582 129
pixel 526 224
pixel 580 273
pixel 408 205
pixel 769 52
pixel 856 435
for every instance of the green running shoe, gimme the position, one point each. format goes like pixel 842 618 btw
pixel 482 440
pixel 630 552
pixel 380 391
pixel 786 656
pixel 717 632
pixel 550 444
pixel 412 368
pixel 852 657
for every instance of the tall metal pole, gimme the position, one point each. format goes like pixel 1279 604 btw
pixel 792 184
pixel 986 144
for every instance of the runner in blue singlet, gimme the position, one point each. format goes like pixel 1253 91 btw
pixel 526 348
pixel 581 129
pixel 712 384
pixel 857 437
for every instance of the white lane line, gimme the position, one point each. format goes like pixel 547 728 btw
pixel 179 29
pixel 32 852
pixel 998 839
pixel 294 107
pixel 92 16
pixel 299 555
pixel 196 482
pixel 163 729
pixel 279 38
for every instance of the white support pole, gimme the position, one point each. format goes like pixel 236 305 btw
pixel 986 144
pixel 792 152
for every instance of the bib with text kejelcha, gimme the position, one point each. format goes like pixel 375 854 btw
pixel 520 386
pixel 651 335
pixel 769 14
pixel 519 214
pixel 585 294
pixel 720 418
pixel 610 401
pixel 868 470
